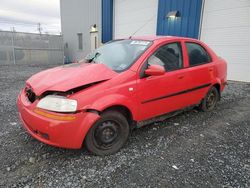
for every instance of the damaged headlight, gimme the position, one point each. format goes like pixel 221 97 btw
pixel 57 104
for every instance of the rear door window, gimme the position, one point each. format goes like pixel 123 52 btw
pixel 197 54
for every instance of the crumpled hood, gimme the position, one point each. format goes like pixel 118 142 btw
pixel 68 77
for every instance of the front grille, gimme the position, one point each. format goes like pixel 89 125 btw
pixel 30 94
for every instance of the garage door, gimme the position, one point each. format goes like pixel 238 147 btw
pixel 135 16
pixel 226 28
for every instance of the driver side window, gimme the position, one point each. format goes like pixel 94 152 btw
pixel 169 56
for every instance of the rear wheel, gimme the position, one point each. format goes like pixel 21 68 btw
pixel 210 101
pixel 108 135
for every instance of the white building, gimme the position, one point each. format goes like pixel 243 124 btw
pixel 77 18
pixel 223 24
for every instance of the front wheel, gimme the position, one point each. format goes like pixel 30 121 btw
pixel 210 101
pixel 108 135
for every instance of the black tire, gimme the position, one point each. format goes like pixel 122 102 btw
pixel 108 135
pixel 210 100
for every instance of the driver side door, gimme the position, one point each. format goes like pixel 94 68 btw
pixel 161 94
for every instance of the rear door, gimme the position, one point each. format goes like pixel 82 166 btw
pixel 201 70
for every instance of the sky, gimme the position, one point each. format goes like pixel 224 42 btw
pixel 24 15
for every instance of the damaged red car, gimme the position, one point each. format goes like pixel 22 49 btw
pixel 121 85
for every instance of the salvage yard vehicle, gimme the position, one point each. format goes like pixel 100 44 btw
pixel 119 86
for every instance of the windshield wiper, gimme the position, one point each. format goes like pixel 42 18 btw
pixel 92 58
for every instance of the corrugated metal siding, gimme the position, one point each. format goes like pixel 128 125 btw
pixel 187 25
pixel 107 20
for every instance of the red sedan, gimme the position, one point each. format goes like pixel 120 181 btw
pixel 121 85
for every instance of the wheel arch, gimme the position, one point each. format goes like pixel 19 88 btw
pixel 123 110
pixel 218 87
pixel 117 102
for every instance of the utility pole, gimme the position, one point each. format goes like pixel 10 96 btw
pixel 39 28
pixel 12 43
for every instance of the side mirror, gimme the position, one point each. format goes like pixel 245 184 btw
pixel 155 70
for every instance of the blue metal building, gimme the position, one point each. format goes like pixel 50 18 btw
pixel 166 17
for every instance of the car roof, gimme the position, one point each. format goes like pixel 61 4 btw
pixel 159 37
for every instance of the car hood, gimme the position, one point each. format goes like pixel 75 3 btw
pixel 68 77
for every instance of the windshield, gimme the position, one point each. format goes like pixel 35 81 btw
pixel 118 55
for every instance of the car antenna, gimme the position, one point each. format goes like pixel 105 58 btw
pixel 142 26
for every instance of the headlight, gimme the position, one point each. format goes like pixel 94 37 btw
pixel 57 104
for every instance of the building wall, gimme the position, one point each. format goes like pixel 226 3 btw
pixel 225 28
pixel 107 20
pixel 134 17
pixel 140 17
pixel 121 18
pixel 77 16
pixel 188 22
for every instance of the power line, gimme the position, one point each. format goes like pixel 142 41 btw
pixel 24 23
pixel 29 25
pixel 15 22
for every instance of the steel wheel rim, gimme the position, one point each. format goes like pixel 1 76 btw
pixel 106 134
pixel 211 100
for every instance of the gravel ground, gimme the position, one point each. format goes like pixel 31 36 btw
pixel 193 149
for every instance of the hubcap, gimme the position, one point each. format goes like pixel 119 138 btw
pixel 106 133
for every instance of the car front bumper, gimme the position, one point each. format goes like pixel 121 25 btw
pixel 66 134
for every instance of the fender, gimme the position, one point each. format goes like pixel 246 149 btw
pixel 114 100
pixel 100 105
pixel 88 122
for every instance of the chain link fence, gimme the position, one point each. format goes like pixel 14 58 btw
pixel 28 48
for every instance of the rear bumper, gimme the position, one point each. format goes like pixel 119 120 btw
pixel 66 134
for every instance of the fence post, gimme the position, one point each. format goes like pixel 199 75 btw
pixel 13 47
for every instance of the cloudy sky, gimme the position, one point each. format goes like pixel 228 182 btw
pixel 24 15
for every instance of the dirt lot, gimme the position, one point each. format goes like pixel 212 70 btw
pixel 193 149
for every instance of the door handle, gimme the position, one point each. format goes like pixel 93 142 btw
pixel 180 76
pixel 211 69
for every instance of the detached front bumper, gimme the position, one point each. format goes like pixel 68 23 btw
pixel 66 134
